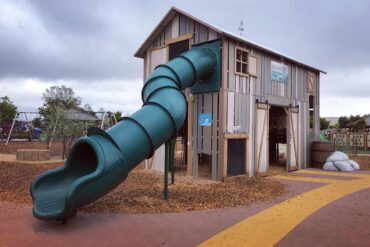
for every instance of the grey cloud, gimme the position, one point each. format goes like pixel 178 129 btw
pixel 90 45
pixel 112 95
pixel 98 38
pixel 349 83
pixel 71 17
pixel 91 41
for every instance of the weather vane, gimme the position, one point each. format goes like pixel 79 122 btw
pixel 241 28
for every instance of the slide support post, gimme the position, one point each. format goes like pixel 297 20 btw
pixel 167 152
pixel 173 142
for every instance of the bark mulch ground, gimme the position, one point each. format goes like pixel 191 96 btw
pixel 142 192
pixel 15 180
pixel 363 160
pixel 55 149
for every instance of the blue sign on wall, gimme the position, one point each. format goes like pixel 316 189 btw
pixel 279 72
pixel 205 119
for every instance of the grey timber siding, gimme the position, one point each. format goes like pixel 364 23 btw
pixel 239 94
pixel 245 91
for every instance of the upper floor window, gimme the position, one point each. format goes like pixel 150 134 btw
pixel 241 61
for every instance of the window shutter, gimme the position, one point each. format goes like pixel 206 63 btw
pixel 252 65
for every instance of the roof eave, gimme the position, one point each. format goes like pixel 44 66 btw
pixel 162 23
pixel 140 53
pixel 270 51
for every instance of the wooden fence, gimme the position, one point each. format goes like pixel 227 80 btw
pixel 361 141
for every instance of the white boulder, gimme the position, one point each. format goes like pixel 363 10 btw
pixel 329 166
pixel 343 166
pixel 338 156
pixel 354 164
pixel 339 161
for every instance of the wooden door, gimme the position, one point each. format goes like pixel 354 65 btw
pixel 261 148
pixel 293 140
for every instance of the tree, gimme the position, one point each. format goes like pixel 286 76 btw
pixel 324 124
pixel 61 97
pixel 118 115
pixel 87 108
pixel 337 128
pixel 37 122
pixel 354 118
pixel 358 125
pixel 57 101
pixel 343 122
pixel 7 110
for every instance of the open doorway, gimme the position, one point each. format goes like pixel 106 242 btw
pixel 205 166
pixel 277 139
pixel 236 157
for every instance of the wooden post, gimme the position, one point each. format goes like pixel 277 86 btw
pixel 222 106
pixel 224 167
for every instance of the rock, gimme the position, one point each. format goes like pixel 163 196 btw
pixel 338 156
pixel 343 166
pixel 354 164
pixel 329 166
pixel 339 161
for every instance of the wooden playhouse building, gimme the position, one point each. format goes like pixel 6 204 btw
pixel 265 114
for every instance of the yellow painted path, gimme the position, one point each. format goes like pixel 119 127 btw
pixel 271 225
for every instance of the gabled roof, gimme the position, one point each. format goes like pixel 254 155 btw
pixel 80 115
pixel 173 11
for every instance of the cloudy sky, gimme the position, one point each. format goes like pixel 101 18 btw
pixel 89 45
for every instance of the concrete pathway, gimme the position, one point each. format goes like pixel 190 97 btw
pixel 294 219
pixel 268 227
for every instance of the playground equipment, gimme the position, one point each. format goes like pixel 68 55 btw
pixel 102 160
pixel 106 117
pixel 18 117
pixel 322 137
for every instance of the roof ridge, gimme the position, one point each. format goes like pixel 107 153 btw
pixel 225 32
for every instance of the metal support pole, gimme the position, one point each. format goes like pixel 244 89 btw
pixel 173 142
pixel 11 128
pixel 52 134
pixel 167 151
pixel 115 119
pixel 102 121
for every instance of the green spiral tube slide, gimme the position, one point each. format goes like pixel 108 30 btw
pixel 100 161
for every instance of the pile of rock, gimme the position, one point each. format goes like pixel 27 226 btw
pixel 339 161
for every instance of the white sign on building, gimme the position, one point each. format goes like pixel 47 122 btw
pixel 279 72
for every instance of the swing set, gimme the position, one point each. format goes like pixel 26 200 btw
pixel 21 117
pixel 108 119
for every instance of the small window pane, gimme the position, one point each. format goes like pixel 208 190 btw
pixel 245 56
pixel 244 68
pixel 241 61
pixel 238 54
pixel 238 66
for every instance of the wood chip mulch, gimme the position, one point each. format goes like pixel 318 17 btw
pixel 363 160
pixel 142 192
pixel 16 178
pixel 55 149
